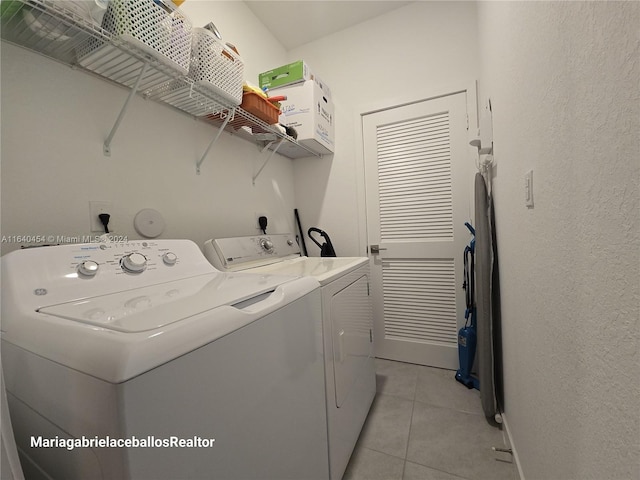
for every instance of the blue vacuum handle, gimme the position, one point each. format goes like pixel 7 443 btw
pixel 471 229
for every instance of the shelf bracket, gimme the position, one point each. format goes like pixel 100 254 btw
pixel 273 152
pixel 106 148
pixel 214 140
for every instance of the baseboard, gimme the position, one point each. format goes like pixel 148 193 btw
pixel 509 442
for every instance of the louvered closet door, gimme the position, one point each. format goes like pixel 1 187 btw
pixel 418 180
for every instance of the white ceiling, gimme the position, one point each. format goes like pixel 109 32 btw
pixel 295 23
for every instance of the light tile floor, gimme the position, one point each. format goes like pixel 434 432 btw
pixel 423 425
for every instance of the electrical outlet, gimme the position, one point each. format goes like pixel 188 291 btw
pixel 95 209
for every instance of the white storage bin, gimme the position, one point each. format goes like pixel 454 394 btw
pixel 216 67
pixel 146 26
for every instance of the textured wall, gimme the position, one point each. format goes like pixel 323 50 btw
pixel 563 78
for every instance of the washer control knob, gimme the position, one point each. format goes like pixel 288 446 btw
pixel 169 258
pixel 266 245
pixel 134 263
pixel 88 268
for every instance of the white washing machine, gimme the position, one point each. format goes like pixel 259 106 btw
pixel 10 468
pixel 139 360
pixel 347 326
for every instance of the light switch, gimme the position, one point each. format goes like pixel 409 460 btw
pixel 528 189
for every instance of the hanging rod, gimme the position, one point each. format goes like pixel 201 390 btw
pixel 106 148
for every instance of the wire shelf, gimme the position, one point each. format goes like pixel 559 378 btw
pixel 251 128
pixel 66 31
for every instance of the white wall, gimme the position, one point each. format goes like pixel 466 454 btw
pixel 412 52
pixel 563 81
pixel 55 119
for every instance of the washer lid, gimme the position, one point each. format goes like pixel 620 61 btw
pixel 323 269
pixel 118 336
pixel 153 307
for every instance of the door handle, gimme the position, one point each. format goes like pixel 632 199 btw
pixel 375 249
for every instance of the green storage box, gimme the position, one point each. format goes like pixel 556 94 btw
pixel 8 8
pixel 295 72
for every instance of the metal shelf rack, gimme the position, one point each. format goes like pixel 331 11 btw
pixel 60 32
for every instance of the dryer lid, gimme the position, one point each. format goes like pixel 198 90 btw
pixel 323 269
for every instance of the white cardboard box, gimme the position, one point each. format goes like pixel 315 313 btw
pixel 309 109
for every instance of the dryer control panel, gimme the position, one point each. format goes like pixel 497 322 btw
pixel 241 253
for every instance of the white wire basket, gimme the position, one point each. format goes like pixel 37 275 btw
pixel 216 67
pixel 163 33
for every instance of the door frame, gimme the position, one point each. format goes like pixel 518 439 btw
pixel 471 94
pixel 470 88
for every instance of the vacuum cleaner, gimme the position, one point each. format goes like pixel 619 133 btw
pixel 467 336
pixel 326 248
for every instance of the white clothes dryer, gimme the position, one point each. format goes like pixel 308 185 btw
pixel 347 326
pixel 139 360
